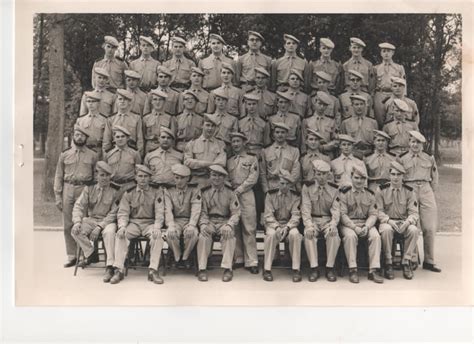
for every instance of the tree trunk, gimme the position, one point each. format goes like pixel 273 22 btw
pixel 54 140
pixel 38 66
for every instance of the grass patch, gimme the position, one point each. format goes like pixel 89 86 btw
pixel 44 213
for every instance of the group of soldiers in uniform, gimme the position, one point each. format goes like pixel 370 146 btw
pixel 191 154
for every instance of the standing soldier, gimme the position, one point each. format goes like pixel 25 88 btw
pixel 247 63
pixel 342 166
pixel 107 98
pixel 141 213
pixel 230 92
pixel 204 151
pixel 282 66
pixel 320 213
pixel 358 63
pixel 279 156
pixel 74 170
pixel 112 65
pixel 283 115
pixel 398 92
pixel 156 119
pixel 360 127
pixel 282 217
pixel 422 176
pixel 212 65
pixel 378 164
pixel 162 159
pixel 127 119
pixel 164 79
pixel 313 152
pixel 226 122
pixel 252 125
pixel 220 214
pixel 398 214
pixel 200 93
pixel 301 103
pixel 95 212
pixel 326 64
pixel 267 99
pixel 122 159
pixel 132 80
pixel 182 210
pixel 358 217
pixel 333 109
pixel 355 79
pixel 189 122
pixel 146 65
pixel 179 65
pixel 243 175
pixel 383 75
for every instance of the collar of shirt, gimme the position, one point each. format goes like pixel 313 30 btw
pixel 388 63
pixel 360 191
pixel 99 90
pixel 164 89
pixel 325 60
pixel 146 188
pixel 218 189
pixel 178 59
pixel 217 57
pixel 256 53
pixel 415 155
pixel 183 190
pixel 347 157
pixel 142 58
pixel 122 113
pixel 395 189
pixel 282 114
pixel 226 86
pixel 356 59
pixel 288 55
pixel 281 194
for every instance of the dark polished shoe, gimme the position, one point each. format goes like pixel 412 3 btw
pixel 297 276
pixel 373 276
pixel 313 275
pixel 70 263
pixel 267 275
pixel 154 276
pixel 431 267
pixel 253 270
pixel 117 277
pixel 407 273
pixel 187 263
pixel 109 272
pixel 202 275
pixel 94 257
pixel 353 276
pixel 238 266
pixel 227 275
pixel 389 274
pixel 414 266
pixel 331 275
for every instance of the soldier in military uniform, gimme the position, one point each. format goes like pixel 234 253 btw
pixel 146 65
pixel 162 159
pixel 313 152
pixel 383 83
pixel 132 80
pixel 201 94
pixel 141 213
pixel 164 79
pixel 75 169
pixel 204 151
pixel 157 118
pixel 282 217
pixel 378 164
pixel 333 109
pixel 243 175
pixel 358 63
pixel 122 159
pixel 252 125
pixel 326 64
pixel 189 121
pixel 360 127
pixel 220 215
pixel 355 79
pixel 422 176
pixel 301 103
pixel 283 115
pixel 179 65
pixel 107 98
pixel 279 156
pixel 182 210
pixel 226 122
pixel 358 217
pixel 342 165
pixel 398 92
pixel 127 119
pixel 398 214
pixel 95 213
pixel 267 100
pixel 320 213
pixel 212 65
pixel 113 65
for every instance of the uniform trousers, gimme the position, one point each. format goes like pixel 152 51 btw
pixel 410 237
pixel 245 233
pixel 204 244
pixel 70 195
pixel 272 239
pixel 189 243
pixel 321 224
pixel 350 240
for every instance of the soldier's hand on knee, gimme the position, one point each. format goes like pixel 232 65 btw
pixel 309 233
pixel 206 231
pixel 332 230
pixel 226 232
pixel 121 233
pixel 403 227
pixel 76 229
pixel 172 234
pixel 394 225
pixel 156 233
pixel 364 231
pixel 189 231
pixel 95 233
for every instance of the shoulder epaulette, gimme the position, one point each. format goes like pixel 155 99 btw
pixel 115 186
pixel 303 154
pixel 148 113
pixel 272 191
pixel 250 153
pixel 206 188
pixel 135 113
pixel 409 120
pixel 92 149
pixel 369 191
pixel 228 186
pixel 268 145
pixel 333 185
pixel 193 185
pixel 66 149
pixel 308 182
pixel 167 185
pixel 114 114
pixel 178 150
pixel 174 89
pixel 392 154
pixel 385 100
pixel 407 187
pixel 345 119
pixel 295 192
pixel 119 58
pixel 403 154
pixel 384 186
pixel 294 113
pixel 99 59
pixel 130 189
pixel 344 189
pixel 103 115
pixel 331 117
pixel 108 150
pixel 155 185
pixel 167 113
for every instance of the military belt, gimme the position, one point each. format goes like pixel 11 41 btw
pixel 214 216
pixel 320 216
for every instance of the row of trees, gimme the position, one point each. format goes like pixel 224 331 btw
pixel 66 46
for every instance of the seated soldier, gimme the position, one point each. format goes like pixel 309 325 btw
pixel 95 212
pixel 398 214
pixel 140 213
pixel 282 216
pixel 320 212
pixel 358 217
pixel 220 214
pixel 182 211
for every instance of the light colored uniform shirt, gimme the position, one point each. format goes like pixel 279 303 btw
pixel 106 104
pixel 219 203
pixel 420 167
pixel 282 66
pixel 182 204
pixel 333 68
pixel 160 162
pixel 137 103
pixel 115 68
pixel 234 101
pixel 346 104
pixel 212 66
pixel 383 74
pixel 276 157
pixel 342 168
pixel 282 209
pixel 254 129
pixel 399 132
pixel 181 69
pixel 364 67
pixel 123 163
pixel 412 115
pixel 292 120
pixel 204 150
pixel 148 69
pixel 130 121
pixel 227 124
pixel 95 125
pixel 243 171
pixel 319 202
pixel 246 64
pixel 171 103
pixel 358 205
pixel 189 126
pixel 378 165
pixel 201 105
pixel 142 206
pixel 396 204
pixel 151 128
pixel 307 164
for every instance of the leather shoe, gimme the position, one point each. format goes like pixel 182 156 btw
pixel 353 276
pixel 267 275
pixel 373 276
pixel 202 275
pixel 297 276
pixel 389 272
pixel 331 275
pixel 238 266
pixel 109 272
pixel 431 267
pixel 94 257
pixel 407 273
pixel 253 270
pixel 117 277
pixel 187 264
pixel 227 276
pixel 313 275
pixel 154 276
pixel 70 263
pixel 414 266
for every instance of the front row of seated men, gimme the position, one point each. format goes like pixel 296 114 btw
pixel 202 215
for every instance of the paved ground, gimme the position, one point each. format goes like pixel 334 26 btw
pixel 54 285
